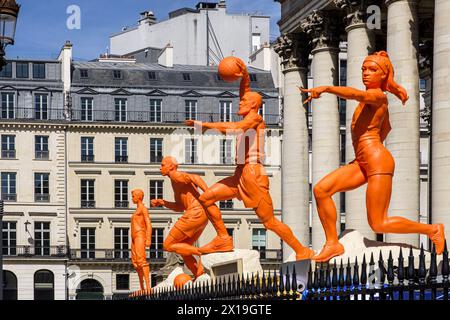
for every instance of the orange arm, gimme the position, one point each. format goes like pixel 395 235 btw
pixel 148 227
pixel 245 81
pixel 370 96
pixel 250 121
pixel 198 182
pixel 173 206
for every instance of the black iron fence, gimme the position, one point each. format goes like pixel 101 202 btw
pixel 163 117
pixel 381 280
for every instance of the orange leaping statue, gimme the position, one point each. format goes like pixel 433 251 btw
pixel 373 164
pixel 249 182
pixel 141 236
pixel 190 226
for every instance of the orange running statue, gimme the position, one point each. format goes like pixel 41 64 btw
pixel 190 226
pixel 373 164
pixel 141 236
pixel 249 182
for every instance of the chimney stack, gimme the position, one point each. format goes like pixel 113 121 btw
pixel 147 17
pixel 166 57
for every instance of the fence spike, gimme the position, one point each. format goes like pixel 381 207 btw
pixel 341 275
pixel 281 282
pixel 269 283
pixel 348 275
pixel 258 284
pixel 433 266
pixel 390 270
pixel 364 271
pixel 356 273
pixel 309 284
pixel 294 282
pixel 275 284
pixel 287 281
pixel 445 263
pixel 382 270
pixel 263 284
pixel 334 281
pixel 422 269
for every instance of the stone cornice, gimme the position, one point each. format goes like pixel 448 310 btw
pixel 322 27
pixel 293 50
pixel 33 126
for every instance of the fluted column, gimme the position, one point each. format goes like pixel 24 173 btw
pixel 293 51
pixel 440 207
pixel 360 43
pixel 325 114
pixel 403 140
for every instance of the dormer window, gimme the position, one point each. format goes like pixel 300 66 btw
pixel 84 73
pixel 186 76
pixel 151 75
pixel 117 74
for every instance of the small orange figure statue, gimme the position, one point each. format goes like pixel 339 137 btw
pixel 249 182
pixel 373 164
pixel 190 226
pixel 141 236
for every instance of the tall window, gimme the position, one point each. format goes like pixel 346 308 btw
pixel 44 285
pixel 122 282
pixel 41 187
pixel 6 71
pixel 9 238
pixel 9 186
pixel 226 205
pixel 7 105
pixel 186 76
pixel 87 149
pixel 41 106
pixel 42 238
pixel 22 70
pixel 259 241
pixel 156 150
pixel 121 243
pixel 156 189
pixel 191 110
pixel 190 151
pixel 225 151
pixel 87 193
pixel 121 149
pixel 155 110
pixel 84 73
pixel 38 70
pixel 225 111
pixel 121 193
pixel 8 146
pixel 87 243
pixel 41 147
pixel 343 73
pixel 156 248
pixel 87 109
pixel 121 109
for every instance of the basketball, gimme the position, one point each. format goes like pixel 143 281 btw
pixel 180 280
pixel 228 68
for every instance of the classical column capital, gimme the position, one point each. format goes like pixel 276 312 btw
pixel 293 49
pixel 356 11
pixel 322 27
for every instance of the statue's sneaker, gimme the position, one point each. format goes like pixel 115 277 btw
pixel 218 244
pixel 329 251
pixel 439 239
pixel 305 254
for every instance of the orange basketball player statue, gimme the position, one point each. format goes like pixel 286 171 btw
pixel 190 226
pixel 249 182
pixel 141 236
pixel 373 165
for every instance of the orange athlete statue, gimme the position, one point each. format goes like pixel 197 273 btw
pixel 249 182
pixel 373 165
pixel 190 226
pixel 141 235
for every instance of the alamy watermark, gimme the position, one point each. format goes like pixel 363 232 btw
pixel 73 22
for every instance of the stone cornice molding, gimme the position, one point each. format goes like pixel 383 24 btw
pixel 389 2
pixel 293 50
pixel 322 28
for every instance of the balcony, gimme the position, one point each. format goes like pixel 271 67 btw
pixel 87 204
pixel 42 155
pixel 121 159
pixel 42 198
pixel 118 255
pixel 8 154
pixel 9 196
pixel 31 114
pixel 121 204
pixel 87 158
pixel 35 252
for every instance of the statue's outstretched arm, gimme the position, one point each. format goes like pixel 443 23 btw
pixel 249 122
pixel 370 96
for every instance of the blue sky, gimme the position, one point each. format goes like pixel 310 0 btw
pixel 41 27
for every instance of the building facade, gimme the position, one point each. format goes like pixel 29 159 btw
pixel 200 36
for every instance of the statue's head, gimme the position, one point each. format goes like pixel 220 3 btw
pixel 378 72
pixel 137 195
pixel 168 164
pixel 250 101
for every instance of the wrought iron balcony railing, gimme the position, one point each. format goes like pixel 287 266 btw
pixel 113 254
pixel 121 159
pixel 87 204
pixel 121 204
pixel 87 158
pixel 35 251
pixel 9 196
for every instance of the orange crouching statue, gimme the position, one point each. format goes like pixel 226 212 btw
pixel 373 164
pixel 249 182
pixel 190 226
pixel 141 237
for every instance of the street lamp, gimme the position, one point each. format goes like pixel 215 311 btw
pixel 9 10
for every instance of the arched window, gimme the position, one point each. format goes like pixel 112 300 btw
pixel 90 289
pixel 9 286
pixel 44 285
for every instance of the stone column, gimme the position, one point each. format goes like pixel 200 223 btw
pixel 325 113
pixel 403 140
pixel 440 159
pixel 293 51
pixel 360 43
